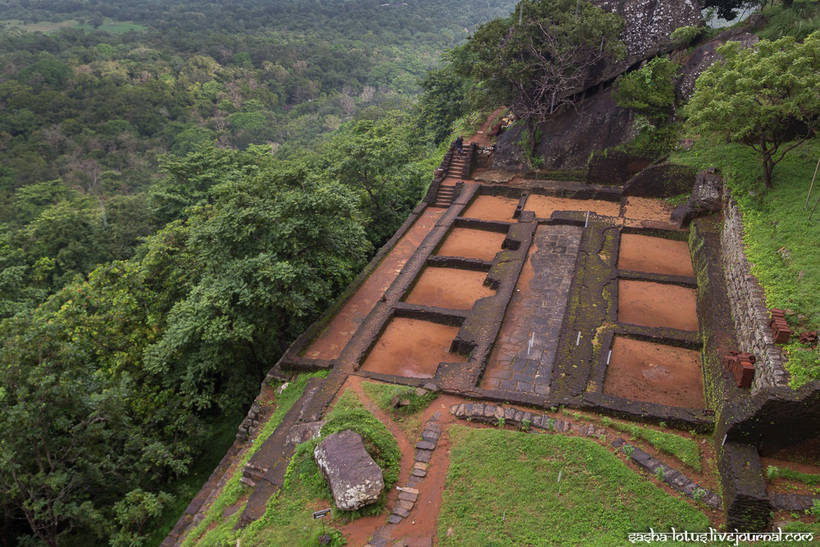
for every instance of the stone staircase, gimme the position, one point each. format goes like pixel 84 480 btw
pixel 457 162
pixel 445 195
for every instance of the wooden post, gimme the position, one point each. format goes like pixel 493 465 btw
pixel 805 205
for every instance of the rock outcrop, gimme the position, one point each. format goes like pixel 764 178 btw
pixel 648 23
pixel 705 56
pixel 706 198
pixel 571 136
pixel 662 180
pixel 354 478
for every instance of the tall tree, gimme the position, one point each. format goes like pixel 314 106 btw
pixel 539 59
pixel 764 97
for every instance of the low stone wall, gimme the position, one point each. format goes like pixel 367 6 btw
pixel 748 303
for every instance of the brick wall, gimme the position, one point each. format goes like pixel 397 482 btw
pixel 748 303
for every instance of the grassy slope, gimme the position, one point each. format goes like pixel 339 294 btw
pixel 683 448
pixel 288 518
pixel 233 489
pixel 781 242
pixel 502 488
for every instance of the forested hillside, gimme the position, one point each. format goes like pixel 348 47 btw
pixel 183 189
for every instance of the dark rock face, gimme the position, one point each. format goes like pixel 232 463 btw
pixel 614 167
pixel 354 478
pixel 568 139
pixel 661 181
pixel 648 23
pixel 705 56
pixel 508 153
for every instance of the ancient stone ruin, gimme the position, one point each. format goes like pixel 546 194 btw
pixel 354 478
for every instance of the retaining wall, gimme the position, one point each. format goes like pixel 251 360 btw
pixel 748 303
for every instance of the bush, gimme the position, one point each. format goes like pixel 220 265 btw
pixel 684 36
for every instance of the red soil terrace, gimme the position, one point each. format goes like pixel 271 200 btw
pixel 655 373
pixel 655 255
pixel 412 348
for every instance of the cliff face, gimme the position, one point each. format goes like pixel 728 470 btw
pixel 650 22
pixel 597 122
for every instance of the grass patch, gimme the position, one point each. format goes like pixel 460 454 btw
pixel 233 489
pixel 288 518
pixel 780 239
pixel 503 489
pixel 384 394
pixel 683 448
pixel 774 472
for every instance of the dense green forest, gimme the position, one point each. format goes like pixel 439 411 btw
pixel 183 188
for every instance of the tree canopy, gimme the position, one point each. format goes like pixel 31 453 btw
pixel 764 97
pixel 538 59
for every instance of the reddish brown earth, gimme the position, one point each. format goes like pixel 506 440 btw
pixel 509 340
pixel 655 255
pixel 492 208
pixel 423 520
pixel 449 288
pixel 657 305
pixel 656 373
pixel 412 348
pixel 651 209
pixel 471 243
pixel 543 206
pixel 338 332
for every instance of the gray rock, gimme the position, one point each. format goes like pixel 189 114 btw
pixel 648 23
pixel 354 478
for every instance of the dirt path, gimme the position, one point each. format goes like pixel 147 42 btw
pixel 422 522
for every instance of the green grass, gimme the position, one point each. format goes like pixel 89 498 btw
pixel 683 448
pixel 288 518
pixel 503 489
pixel 233 489
pixel 383 394
pixel 781 241
pixel 784 473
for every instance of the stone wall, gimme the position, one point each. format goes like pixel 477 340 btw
pixel 748 303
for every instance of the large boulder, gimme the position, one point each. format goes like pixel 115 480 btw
pixel 704 56
pixel 354 478
pixel 648 23
pixel 614 167
pixel 706 198
pixel 569 137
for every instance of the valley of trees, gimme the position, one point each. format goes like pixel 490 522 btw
pixel 183 197
pixel 177 203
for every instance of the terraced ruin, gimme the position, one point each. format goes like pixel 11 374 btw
pixel 510 303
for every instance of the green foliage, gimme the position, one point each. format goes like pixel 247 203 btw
pixel 511 493
pixel 649 91
pixel 686 35
pixel 384 394
pixel 798 20
pixel 537 65
pixel 763 97
pixel 773 472
pixel 777 233
pixel 803 363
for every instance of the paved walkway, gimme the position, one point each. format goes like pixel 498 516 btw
pixel 524 353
